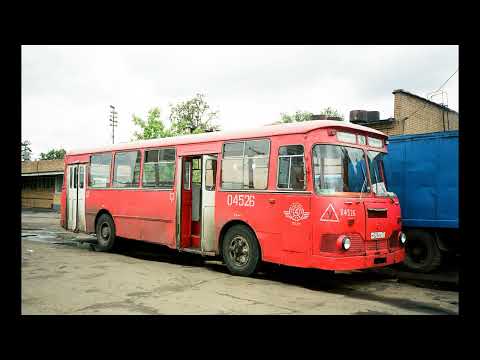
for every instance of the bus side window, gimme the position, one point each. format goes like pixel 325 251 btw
pixel 291 168
pixel 159 168
pixel 100 165
pixel 210 174
pixel 126 172
pixel 245 165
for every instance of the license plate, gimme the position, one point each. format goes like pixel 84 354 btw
pixel 377 235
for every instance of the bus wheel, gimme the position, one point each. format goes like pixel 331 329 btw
pixel 422 252
pixel 105 233
pixel 240 250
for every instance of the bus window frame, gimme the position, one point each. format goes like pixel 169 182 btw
pixel 151 188
pixel 304 169
pixel 115 163
pixel 220 188
pixel 359 195
pixel 89 164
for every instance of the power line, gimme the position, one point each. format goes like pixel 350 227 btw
pixel 430 93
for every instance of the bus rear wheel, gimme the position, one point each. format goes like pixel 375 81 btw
pixel 240 250
pixel 105 233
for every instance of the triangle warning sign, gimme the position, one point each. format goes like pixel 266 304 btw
pixel 329 214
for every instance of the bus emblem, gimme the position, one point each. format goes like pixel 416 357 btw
pixel 296 213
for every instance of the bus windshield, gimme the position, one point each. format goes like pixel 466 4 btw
pixel 375 161
pixel 338 168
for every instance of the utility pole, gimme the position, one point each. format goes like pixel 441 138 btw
pixel 113 121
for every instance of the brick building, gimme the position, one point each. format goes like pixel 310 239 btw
pixel 414 114
pixel 42 183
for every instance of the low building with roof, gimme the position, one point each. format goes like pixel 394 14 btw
pixel 42 183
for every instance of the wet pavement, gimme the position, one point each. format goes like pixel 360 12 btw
pixel 62 275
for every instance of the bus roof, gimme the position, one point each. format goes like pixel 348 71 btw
pixel 264 131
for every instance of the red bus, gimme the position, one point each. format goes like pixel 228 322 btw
pixel 310 194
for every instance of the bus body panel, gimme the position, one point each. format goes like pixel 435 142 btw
pixel 147 215
pixel 334 216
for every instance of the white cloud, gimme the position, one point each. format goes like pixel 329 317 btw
pixel 67 90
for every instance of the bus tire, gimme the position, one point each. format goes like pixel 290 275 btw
pixel 422 253
pixel 240 251
pixel 105 230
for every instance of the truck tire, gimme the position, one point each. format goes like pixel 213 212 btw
pixel 421 252
pixel 105 230
pixel 240 251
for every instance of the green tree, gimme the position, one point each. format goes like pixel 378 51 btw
pixel 331 112
pixel 192 117
pixel 153 128
pixel 26 150
pixel 53 154
pixel 297 117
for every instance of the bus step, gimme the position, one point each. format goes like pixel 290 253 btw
pixel 198 251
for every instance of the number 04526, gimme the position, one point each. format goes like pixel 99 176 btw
pixel 241 200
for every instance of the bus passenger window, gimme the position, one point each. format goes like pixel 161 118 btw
pixel 245 165
pixel 210 174
pixel 159 168
pixel 100 170
pixel 291 168
pixel 127 169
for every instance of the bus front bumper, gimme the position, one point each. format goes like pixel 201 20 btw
pixel 359 262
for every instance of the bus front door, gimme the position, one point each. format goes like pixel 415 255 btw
pixel 209 176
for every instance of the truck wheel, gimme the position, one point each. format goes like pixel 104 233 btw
pixel 105 233
pixel 422 252
pixel 240 250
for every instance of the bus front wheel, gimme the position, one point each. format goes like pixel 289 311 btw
pixel 105 233
pixel 240 250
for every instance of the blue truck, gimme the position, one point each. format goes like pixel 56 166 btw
pixel 422 169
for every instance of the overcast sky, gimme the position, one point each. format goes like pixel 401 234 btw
pixel 67 90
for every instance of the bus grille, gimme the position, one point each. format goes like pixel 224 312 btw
pixel 376 244
pixel 329 245
pixel 393 242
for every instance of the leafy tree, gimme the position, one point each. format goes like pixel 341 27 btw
pixel 53 154
pixel 300 116
pixel 192 117
pixel 297 117
pixel 153 128
pixel 331 112
pixel 26 150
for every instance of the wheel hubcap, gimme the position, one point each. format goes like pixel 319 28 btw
pixel 239 250
pixel 105 232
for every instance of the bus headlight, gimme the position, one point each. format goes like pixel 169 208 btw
pixel 346 242
pixel 403 238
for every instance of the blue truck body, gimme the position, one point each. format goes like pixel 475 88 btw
pixel 422 169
